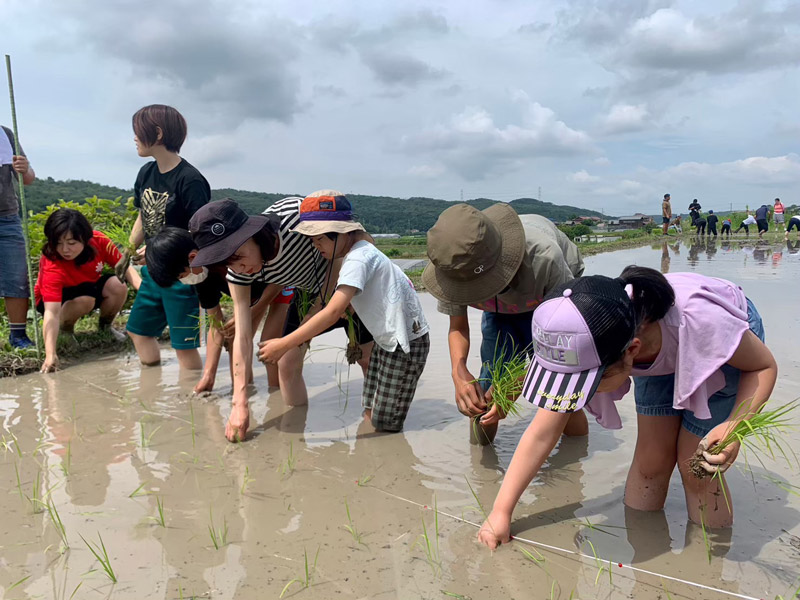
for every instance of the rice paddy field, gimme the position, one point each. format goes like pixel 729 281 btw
pixel 117 482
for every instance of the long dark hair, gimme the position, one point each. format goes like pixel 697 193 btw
pixel 61 222
pixel 653 296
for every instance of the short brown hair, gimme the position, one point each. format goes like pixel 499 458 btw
pixel 148 119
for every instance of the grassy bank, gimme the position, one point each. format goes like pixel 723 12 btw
pixel 86 342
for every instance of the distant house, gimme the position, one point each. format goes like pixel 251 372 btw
pixel 636 221
pixel 385 235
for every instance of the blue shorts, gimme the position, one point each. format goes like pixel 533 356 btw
pixel 14 266
pixel 654 395
pixel 503 335
pixel 156 307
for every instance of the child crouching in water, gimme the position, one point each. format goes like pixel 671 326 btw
pixel 384 299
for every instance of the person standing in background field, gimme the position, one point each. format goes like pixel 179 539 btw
pixel 167 192
pixel 711 220
pixel 778 213
pixel 666 214
pixel 13 273
pixel 762 220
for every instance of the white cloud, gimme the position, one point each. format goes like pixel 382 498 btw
pixel 426 171
pixel 602 161
pixel 582 177
pixel 626 118
pixel 755 170
pixel 474 146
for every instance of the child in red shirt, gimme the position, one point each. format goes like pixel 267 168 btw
pixel 71 283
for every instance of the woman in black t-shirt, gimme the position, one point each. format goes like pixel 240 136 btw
pixel 168 191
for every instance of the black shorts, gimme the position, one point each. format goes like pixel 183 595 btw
pixel 93 289
pixel 363 336
pixel 665 220
pixel 763 224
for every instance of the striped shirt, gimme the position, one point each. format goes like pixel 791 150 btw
pixel 298 263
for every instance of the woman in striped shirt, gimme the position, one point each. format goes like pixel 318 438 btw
pixel 264 248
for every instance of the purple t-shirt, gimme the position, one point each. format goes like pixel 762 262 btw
pixel 688 350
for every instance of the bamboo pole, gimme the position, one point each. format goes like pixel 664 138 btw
pixel 18 152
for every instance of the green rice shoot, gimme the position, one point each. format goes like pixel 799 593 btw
pixel 100 553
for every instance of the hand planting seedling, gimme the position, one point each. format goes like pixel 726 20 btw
pixel 119 237
pixel 761 433
pixel 353 352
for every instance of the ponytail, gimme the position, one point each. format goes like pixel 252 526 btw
pixel 652 294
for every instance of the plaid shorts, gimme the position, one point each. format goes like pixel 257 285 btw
pixel 391 381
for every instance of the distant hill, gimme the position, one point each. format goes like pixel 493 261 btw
pixel 379 214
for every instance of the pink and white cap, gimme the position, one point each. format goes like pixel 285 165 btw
pixel 566 368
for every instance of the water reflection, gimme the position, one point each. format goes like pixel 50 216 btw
pixel 702 248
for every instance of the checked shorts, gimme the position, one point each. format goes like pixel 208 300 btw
pixel 391 381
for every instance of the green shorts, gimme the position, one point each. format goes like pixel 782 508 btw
pixel 156 307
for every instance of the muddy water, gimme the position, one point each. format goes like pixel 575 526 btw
pixel 109 441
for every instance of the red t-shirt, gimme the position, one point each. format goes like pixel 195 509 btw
pixel 55 275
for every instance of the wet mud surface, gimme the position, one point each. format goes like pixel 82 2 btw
pixel 109 442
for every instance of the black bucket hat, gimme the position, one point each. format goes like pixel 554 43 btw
pixel 219 228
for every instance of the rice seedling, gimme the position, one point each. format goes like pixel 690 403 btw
pixel 456 596
pixel 760 433
pixel 75 591
pixel 100 553
pixel 705 535
pixel 353 351
pixel 431 547
pixel 600 566
pixel 57 523
pixel 287 466
pixel 16 443
pixel 600 528
pixel 246 479
pixel 139 491
pixel 351 526
pixel 308 573
pixel 666 591
pixel 19 483
pixel 159 518
pixel 506 377
pixel 146 438
pixel 36 494
pixel 304 302
pixel 191 415
pixel 12 444
pixel 364 480
pixel 537 558
pixel 66 462
pixel 219 537
pixel 18 583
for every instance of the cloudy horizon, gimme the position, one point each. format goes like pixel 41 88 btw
pixel 603 105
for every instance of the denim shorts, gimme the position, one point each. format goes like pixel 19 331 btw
pixel 503 335
pixel 654 395
pixel 14 266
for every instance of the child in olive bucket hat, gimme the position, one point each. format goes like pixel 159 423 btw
pixel 382 296
pixel 502 264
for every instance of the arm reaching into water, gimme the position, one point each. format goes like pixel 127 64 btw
pixel 469 394
pixel 242 356
pixel 535 446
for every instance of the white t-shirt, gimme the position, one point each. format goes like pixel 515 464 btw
pixel 386 302
pixel 750 220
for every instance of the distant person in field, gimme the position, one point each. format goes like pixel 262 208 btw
pixel 370 284
pixel 167 192
pixel 666 214
pixel 71 283
pixel 502 264
pixel 694 211
pixel 778 213
pixel 762 219
pixel 748 221
pixel 13 268
pixel 700 225
pixel 711 220
pixel 169 254
pixel 794 223
pixel 726 227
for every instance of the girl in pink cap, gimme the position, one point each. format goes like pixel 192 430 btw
pixel 593 333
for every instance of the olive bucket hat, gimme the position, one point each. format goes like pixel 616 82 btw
pixel 474 254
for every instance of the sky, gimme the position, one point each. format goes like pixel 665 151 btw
pixel 606 105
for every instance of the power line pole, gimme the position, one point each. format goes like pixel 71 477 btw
pixel 540 194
